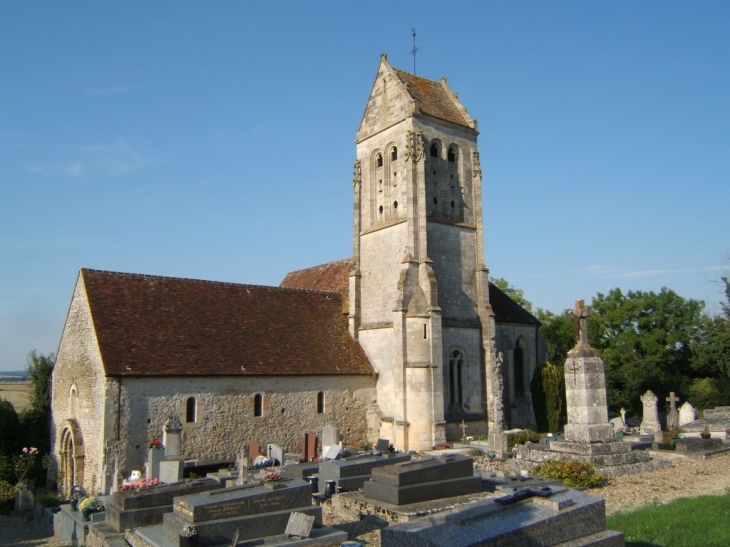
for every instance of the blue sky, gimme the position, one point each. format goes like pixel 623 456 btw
pixel 216 141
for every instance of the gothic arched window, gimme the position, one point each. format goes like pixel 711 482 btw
pixel 519 368
pixel 320 402
pixel 394 154
pixel 434 150
pixel 379 160
pixel 452 154
pixel 456 374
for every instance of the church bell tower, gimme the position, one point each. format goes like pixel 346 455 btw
pixel 419 297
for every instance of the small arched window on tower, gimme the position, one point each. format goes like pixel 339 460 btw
pixel 190 410
pixel 452 154
pixel 320 402
pixel 379 160
pixel 394 154
pixel 434 150
pixel 258 405
pixel 519 367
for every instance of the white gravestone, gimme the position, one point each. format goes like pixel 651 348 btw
pixel 687 414
pixel 650 423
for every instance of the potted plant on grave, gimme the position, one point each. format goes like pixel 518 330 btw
pixel 705 434
pixel 90 505
pixel 667 442
pixel 188 536
pixel 156 443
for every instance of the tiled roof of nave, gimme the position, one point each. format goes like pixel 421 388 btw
pixel 151 325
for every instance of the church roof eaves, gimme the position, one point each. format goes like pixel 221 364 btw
pixel 507 310
pixel 163 326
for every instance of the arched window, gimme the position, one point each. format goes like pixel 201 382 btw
pixel 394 154
pixel 379 160
pixel 73 402
pixel 519 366
pixel 456 371
pixel 258 405
pixel 190 410
pixel 452 154
pixel 434 150
pixel 320 402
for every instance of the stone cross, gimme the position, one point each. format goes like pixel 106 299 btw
pixel 623 415
pixel 673 415
pixel 580 314
pixel 463 429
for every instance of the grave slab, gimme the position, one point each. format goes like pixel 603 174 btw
pixel 351 473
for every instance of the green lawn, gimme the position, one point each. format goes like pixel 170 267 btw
pixel 690 522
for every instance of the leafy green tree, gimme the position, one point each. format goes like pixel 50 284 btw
pixel 712 346
pixel 518 295
pixel 547 397
pixel 9 429
pixel 645 340
pixel 35 421
pixel 559 334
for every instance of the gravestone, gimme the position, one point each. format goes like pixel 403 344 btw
pixel 299 524
pixel 650 422
pixel 672 415
pixel 331 452
pixel 585 388
pixel 382 445
pixel 623 415
pixel 617 424
pixel 562 518
pixel 275 453
pixel 351 473
pixel 154 457
pixel 687 414
pixel 172 467
pixel 330 435
pixel 242 464
pixel 309 447
pixel 422 480
pixel 254 450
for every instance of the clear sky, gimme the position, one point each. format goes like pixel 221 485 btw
pixel 215 140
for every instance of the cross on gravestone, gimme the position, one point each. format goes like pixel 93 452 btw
pixel 573 367
pixel 463 429
pixel 673 414
pixel 580 314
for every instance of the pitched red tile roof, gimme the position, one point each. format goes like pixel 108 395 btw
pixel 150 325
pixel 435 99
pixel 333 276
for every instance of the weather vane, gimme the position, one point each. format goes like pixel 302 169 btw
pixel 413 51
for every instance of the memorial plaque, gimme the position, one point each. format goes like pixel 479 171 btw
pixel 332 452
pixel 382 445
pixel 300 524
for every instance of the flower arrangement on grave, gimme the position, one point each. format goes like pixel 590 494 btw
pixel 188 531
pixel 271 476
pixel 156 443
pixel 24 463
pixel 92 503
pixel 145 483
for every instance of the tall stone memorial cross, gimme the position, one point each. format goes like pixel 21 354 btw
pixel 673 414
pixel 171 468
pixel 650 421
pixel 585 388
pixel 463 429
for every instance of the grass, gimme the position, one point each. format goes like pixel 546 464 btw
pixel 686 522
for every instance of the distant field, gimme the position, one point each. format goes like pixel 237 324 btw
pixel 17 393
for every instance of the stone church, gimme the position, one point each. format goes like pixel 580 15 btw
pixel 404 340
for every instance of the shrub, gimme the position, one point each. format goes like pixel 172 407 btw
pixel 7 491
pixel 547 397
pixel 573 472
pixel 522 437
pixel 475 452
pixel 49 500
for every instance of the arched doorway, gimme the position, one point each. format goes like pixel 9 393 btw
pixel 70 457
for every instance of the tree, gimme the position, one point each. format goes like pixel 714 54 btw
pixel 9 430
pixel 712 346
pixel 645 340
pixel 547 397
pixel 36 420
pixel 559 334
pixel 515 294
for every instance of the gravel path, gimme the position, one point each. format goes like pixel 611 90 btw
pixel 685 479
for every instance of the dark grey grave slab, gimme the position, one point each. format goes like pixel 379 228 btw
pixel 146 506
pixel 301 470
pixel 423 480
pixel 569 517
pixel 351 473
pixel 257 510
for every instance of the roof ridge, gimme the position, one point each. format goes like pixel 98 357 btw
pixel 211 282
pixel 417 76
